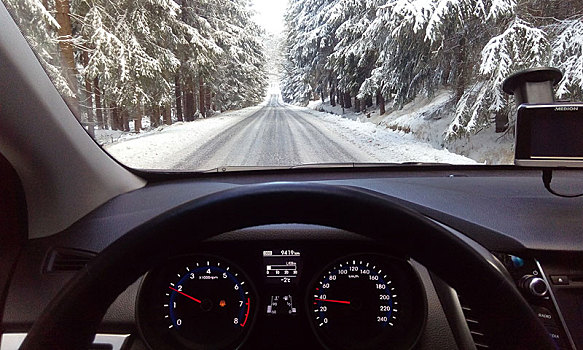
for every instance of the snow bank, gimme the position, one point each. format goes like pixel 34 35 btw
pixel 166 146
pixel 383 144
pixel 427 120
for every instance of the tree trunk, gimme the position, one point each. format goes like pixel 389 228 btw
pixel 125 116
pixel 107 118
pixel 115 118
pixel 114 124
pixel 208 99
pixel 195 96
pixel 201 99
pixel 381 102
pixel 65 35
pixel 178 94
pixel 332 94
pixel 356 104
pixel 213 102
pixel 167 116
pixel 189 106
pixel 460 86
pixel 368 101
pixel 155 117
pixel 339 97
pixel 501 122
pixel 98 107
pixel 347 100
pixel 88 91
pixel 137 119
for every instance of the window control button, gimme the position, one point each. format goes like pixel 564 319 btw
pixel 560 279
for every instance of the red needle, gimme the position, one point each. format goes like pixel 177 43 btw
pixel 334 301
pixel 186 295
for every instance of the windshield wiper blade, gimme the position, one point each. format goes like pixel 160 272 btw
pixel 238 168
pixel 364 165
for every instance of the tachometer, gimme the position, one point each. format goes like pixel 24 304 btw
pixel 365 301
pixel 203 304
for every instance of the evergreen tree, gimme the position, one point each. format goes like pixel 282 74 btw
pixel 134 58
pixel 42 37
pixel 568 57
pixel 397 50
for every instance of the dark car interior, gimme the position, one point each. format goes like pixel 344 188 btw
pixel 95 255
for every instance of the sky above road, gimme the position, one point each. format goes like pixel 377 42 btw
pixel 270 14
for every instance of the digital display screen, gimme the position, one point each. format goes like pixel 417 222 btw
pixel 282 265
pixel 551 133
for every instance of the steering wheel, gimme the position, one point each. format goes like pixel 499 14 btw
pixel 72 318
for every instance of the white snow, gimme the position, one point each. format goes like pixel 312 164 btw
pixel 418 121
pixel 384 144
pixel 166 146
pixel 162 148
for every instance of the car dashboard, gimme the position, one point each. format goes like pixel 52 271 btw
pixel 295 285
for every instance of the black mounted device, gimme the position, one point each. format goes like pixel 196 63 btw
pixel 548 134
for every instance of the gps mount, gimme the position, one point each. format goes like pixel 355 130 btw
pixel 533 86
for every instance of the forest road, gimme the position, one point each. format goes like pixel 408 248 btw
pixel 275 135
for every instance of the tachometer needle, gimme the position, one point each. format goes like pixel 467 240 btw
pixel 334 301
pixel 186 295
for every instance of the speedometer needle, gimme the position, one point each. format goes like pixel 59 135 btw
pixel 186 295
pixel 334 301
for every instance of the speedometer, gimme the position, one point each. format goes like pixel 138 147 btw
pixel 365 301
pixel 367 297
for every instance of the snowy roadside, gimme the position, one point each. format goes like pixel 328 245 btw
pixel 382 144
pixel 427 120
pixel 166 146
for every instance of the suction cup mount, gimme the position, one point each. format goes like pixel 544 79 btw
pixel 533 86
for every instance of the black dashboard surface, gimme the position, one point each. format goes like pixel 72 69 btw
pixel 504 210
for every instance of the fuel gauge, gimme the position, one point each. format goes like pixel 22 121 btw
pixel 281 305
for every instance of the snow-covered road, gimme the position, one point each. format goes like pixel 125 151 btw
pixel 273 135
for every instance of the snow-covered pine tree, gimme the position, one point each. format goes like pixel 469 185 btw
pixel 354 57
pixel 142 57
pixel 307 44
pixel 520 46
pixel 197 52
pixel 42 37
pixel 241 77
pixel 230 73
pixel 131 49
pixel 568 57
pixel 397 30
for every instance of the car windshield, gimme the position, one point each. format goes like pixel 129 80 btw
pixel 196 85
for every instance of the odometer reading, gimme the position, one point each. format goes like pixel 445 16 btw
pixel 355 303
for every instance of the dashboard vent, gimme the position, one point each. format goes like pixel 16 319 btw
pixel 67 260
pixel 472 319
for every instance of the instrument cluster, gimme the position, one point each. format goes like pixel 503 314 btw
pixel 249 295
